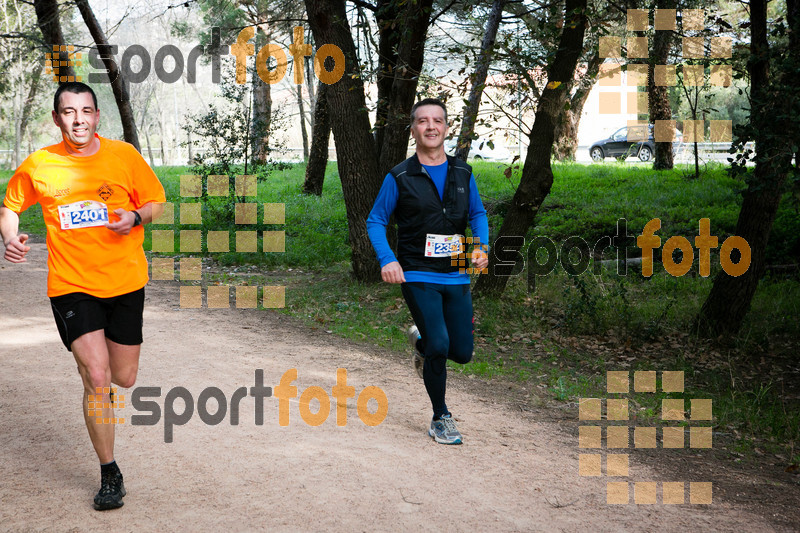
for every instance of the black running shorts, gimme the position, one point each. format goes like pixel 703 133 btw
pixel 78 313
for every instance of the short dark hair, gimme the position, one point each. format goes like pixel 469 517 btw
pixel 73 87
pixel 428 101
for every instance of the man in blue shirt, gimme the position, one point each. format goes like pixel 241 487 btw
pixel 433 197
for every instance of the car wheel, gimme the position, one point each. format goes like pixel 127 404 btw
pixel 597 154
pixel 645 154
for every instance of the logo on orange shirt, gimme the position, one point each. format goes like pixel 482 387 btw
pixel 105 191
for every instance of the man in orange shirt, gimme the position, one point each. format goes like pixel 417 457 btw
pixel 96 194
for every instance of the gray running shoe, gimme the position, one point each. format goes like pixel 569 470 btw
pixel 444 431
pixel 417 359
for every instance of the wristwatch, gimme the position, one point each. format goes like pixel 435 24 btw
pixel 137 219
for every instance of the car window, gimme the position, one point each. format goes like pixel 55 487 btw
pixel 620 135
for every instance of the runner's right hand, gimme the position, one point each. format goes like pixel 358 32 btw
pixel 393 273
pixel 16 249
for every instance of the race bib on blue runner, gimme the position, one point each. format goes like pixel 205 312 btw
pixel 442 245
pixel 85 214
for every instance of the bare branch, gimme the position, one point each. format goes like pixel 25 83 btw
pixel 16 35
pixel 443 11
pixel 365 5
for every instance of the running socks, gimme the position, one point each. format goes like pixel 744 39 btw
pixel 109 468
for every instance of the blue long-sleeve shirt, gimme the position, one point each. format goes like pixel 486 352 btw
pixel 384 206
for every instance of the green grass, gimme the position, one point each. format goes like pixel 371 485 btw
pixel 31 221
pixel 588 200
pixel 316 228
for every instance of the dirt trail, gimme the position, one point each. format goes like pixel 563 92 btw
pixel 513 473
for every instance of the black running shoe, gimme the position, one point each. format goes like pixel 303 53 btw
pixel 112 489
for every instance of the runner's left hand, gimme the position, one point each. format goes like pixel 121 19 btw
pixel 124 224
pixel 479 259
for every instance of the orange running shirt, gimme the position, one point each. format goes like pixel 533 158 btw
pixel 94 260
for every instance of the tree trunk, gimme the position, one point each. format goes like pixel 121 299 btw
pixel 774 130
pixel 386 15
pixel 478 81
pixel 537 175
pixel 410 53
pixel 565 145
pixel 658 96
pixel 693 105
pixel 355 148
pixel 164 159
pixel 149 147
pixel 262 117
pixel 143 127
pixel 312 96
pixel 28 105
pixel 17 105
pixel 50 25
pixel 320 136
pixel 118 84
pixel 303 131
pixel 566 135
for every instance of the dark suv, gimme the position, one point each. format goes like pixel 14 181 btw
pixel 629 141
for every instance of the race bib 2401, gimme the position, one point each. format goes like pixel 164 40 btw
pixel 442 245
pixel 85 214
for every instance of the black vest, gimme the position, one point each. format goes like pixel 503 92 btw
pixel 419 211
